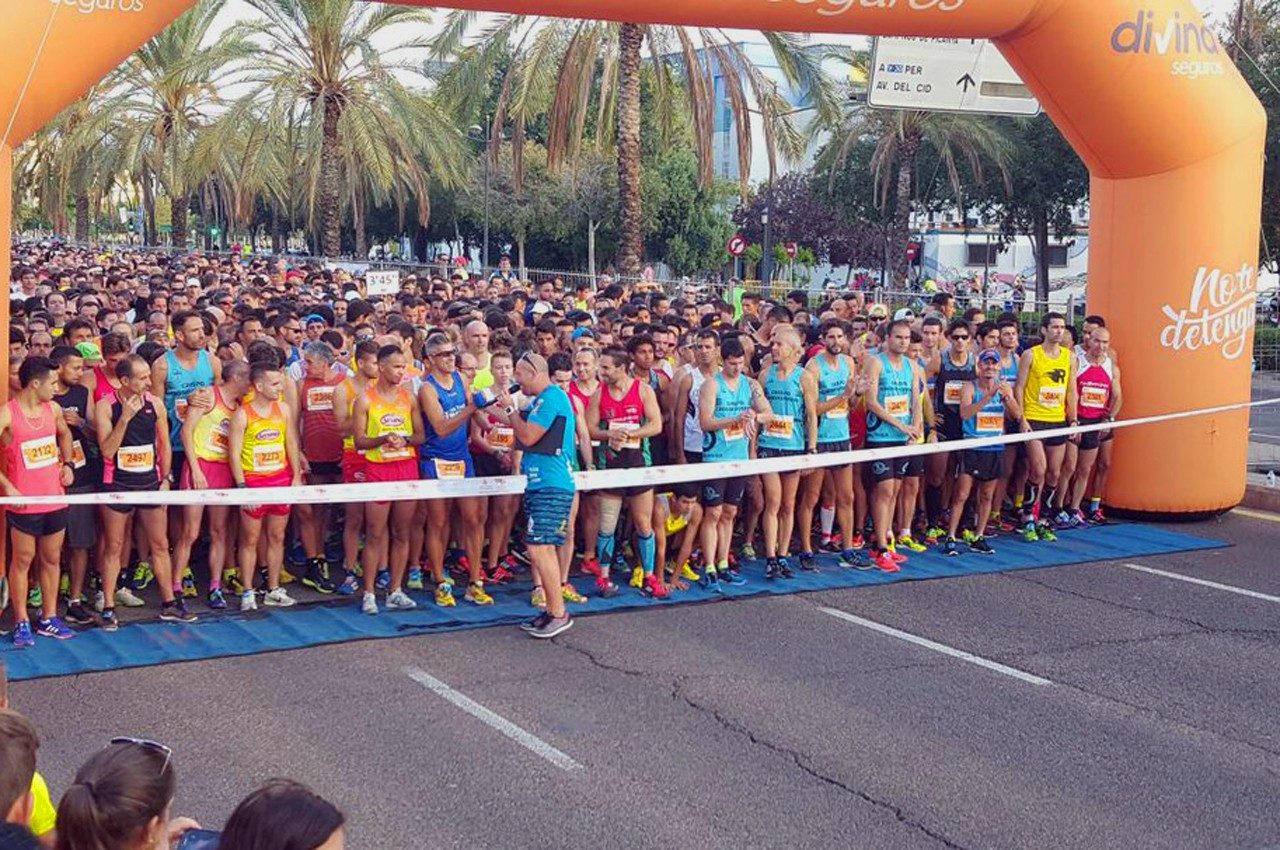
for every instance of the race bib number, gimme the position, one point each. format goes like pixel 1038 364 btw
pixel 320 398
pixel 502 437
pixel 736 431
pixel 268 458
pixel 136 458
pixel 840 411
pixel 898 406
pixel 450 468
pixel 40 452
pixel 631 442
pixel 1094 397
pixel 1052 397
pixel 990 423
pixel 77 455
pixel 402 453
pixel 781 427
pixel 219 439
pixel 951 392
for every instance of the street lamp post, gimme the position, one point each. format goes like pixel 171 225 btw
pixel 485 136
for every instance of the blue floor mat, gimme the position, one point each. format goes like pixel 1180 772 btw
pixel 229 634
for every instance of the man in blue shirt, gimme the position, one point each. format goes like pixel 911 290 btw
pixel 545 435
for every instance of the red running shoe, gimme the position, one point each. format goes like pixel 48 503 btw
pixel 501 575
pixel 591 566
pixel 654 587
pixel 897 558
pixel 605 588
pixel 884 561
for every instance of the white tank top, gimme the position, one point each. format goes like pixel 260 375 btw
pixel 692 419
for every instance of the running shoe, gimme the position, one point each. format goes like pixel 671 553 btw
pixel 884 561
pixel 1045 533
pixel 536 623
pixel 22 636
pixel 1030 533
pixel 784 567
pixel 968 536
pixel 501 575
pixel 569 593
pixel 216 600
pixel 982 547
pixel 1097 517
pixel 52 628
pixel 399 601
pixel 317 577
pixel 383 582
pixel 248 601
pixel 733 576
pixel 414 582
pixel 512 563
pixel 830 544
pixel 748 551
pixel 110 622
pixel 368 604
pixel 35 597
pixel 142 575
pixel 552 627
pixel 605 588
pixel 808 562
pixel 897 557
pixel 710 580
pixel 231 581
pixel 1007 525
pixel 935 535
pixel 279 598
pixel 857 542
pixel 951 548
pixel 637 577
pixel 591 566
pixel 189 584
pixel 771 570
pixel 908 543
pixel 1078 519
pixel 444 595
pixel 348 586
pixel 79 615
pixel 654 587
pixel 127 598
pixel 476 595
pixel 856 559
pixel 538 599
pixel 688 573
pixel 176 612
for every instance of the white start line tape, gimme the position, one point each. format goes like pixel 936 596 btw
pixel 611 479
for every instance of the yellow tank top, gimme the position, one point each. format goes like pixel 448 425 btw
pixel 349 442
pixel 390 416
pixel 263 452
pixel 210 439
pixel 1045 396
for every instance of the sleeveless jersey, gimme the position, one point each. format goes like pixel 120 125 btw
pixel 34 461
pixel 317 424
pixel 946 395
pixel 833 426
pixel 895 395
pixel 693 438
pixel 1044 399
pixel 211 438
pixel 390 416
pixel 182 382
pixel 84 452
pixel 349 441
pixel 263 452
pixel 452 400
pixel 988 422
pixel 102 385
pixel 1094 387
pixel 787 430
pixel 627 412
pixel 730 443
pixel 134 465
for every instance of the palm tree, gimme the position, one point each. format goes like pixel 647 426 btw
pixel 172 89
pixel 366 136
pixel 585 79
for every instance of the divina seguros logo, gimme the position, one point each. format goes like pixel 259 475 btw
pixel 833 8
pixel 1146 34
pixel 89 6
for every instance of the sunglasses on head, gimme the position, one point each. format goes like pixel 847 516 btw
pixel 154 746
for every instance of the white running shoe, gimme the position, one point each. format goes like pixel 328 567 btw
pixel 400 601
pixel 369 605
pixel 248 601
pixel 129 599
pixel 279 598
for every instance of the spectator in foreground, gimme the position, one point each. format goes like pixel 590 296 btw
pixel 120 800
pixel 18 745
pixel 284 815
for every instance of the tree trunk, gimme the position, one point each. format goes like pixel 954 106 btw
pixel 524 275
pixel 630 236
pixel 330 182
pixel 181 203
pixel 148 213
pixel 591 249
pixel 909 150
pixel 362 237
pixel 82 217
pixel 1040 247
pixel 277 234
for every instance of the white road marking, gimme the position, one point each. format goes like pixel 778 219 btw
pixel 525 739
pixel 1256 514
pixel 1021 675
pixel 1252 594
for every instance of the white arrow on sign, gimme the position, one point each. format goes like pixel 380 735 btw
pixel 946 75
pixel 737 245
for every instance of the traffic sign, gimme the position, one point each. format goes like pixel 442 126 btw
pixel 946 75
pixel 737 245
pixel 792 250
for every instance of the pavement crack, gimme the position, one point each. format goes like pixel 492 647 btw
pixel 1111 602
pixel 800 760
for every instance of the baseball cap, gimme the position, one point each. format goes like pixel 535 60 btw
pixel 90 351
pixel 988 355
pixel 315 317
pixel 905 314
pixel 581 332
pixel 878 311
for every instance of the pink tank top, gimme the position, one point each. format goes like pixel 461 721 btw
pixel 102 387
pixel 35 463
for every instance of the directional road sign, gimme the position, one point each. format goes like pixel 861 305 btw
pixel 946 75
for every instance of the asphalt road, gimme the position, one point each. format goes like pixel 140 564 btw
pixel 762 723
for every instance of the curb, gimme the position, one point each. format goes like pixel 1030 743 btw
pixel 1262 498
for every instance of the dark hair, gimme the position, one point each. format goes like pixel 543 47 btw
pixel 637 340
pixel 18 745
pixel 281 815
pixel 932 322
pixel 115 343
pixel 618 355
pixel 985 328
pixel 264 351
pixel 366 348
pixel 1049 317
pixel 125 367
pixel 957 325
pixel 35 368
pixel 732 347
pixel 60 354
pixel 942 299
pixel 234 370
pixel 387 351
pixel 1095 320
pixel 117 792
pixel 559 362
pixel 973 311
pixel 259 368
pixel 182 317
pixel 76 324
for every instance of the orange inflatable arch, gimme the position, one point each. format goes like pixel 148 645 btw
pixel 1172 135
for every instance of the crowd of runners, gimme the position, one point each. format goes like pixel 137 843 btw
pixel 136 371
